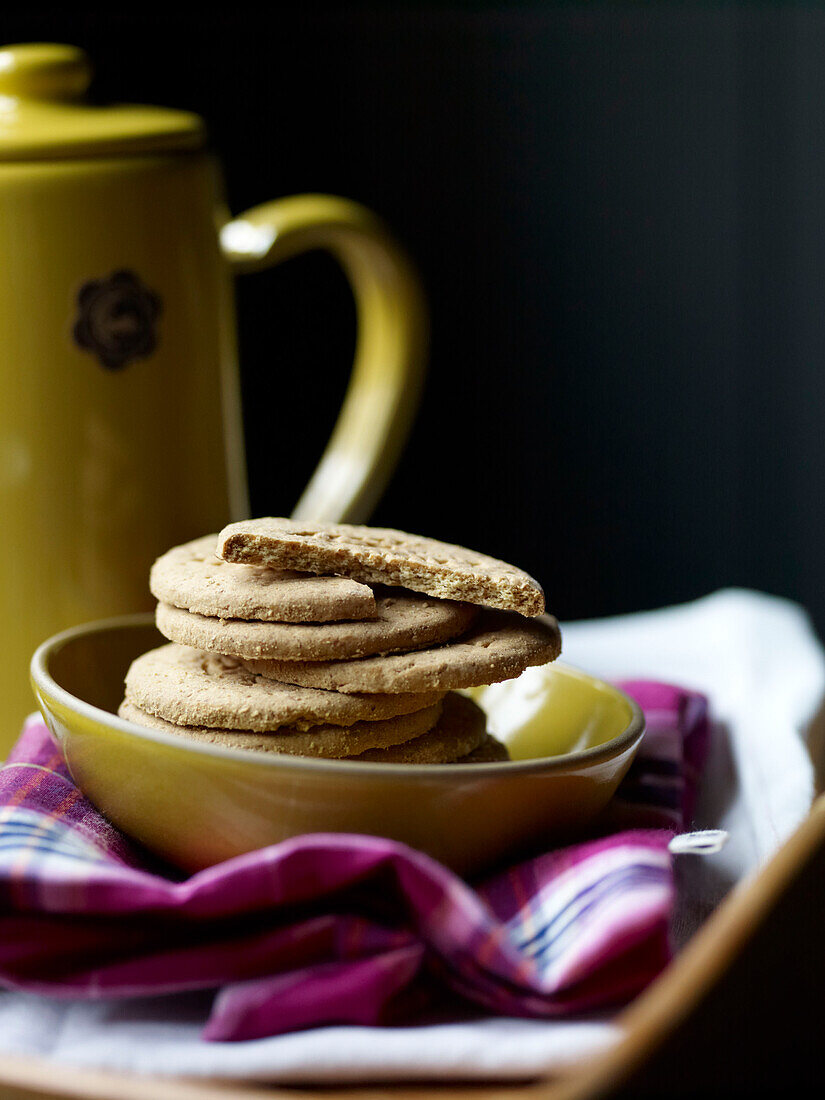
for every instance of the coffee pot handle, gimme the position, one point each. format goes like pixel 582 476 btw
pixel 388 369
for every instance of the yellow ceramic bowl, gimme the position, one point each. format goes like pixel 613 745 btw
pixel 198 804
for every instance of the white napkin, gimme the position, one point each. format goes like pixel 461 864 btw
pixel 761 664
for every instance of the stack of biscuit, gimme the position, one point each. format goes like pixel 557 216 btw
pixel 336 641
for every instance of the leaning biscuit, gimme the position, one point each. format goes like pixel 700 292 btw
pixel 379 555
pixel 193 577
pixel 402 622
pixel 499 647
pixel 460 730
pixel 192 688
pixel 330 742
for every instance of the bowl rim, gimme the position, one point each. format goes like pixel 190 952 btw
pixel 48 686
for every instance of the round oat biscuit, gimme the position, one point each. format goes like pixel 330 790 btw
pixel 193 577
pixel 490 751
pixel 460 730
pixel 499 647
pixel 192 688
pixel 402 622
pixel 380 555
pixel 329 742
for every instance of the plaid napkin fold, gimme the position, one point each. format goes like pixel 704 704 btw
pixel 333 928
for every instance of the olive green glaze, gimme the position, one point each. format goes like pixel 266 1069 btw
pixel 197 804
pixel 120 418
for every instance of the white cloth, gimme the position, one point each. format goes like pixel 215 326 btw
pixel 763 668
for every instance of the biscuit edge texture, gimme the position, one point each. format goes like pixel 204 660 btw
pixel 376 555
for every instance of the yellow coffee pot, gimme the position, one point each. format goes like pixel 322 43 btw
pixel 120 418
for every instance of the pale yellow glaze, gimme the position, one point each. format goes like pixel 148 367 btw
pixel 197 804
pixel 102 469
pixel 523 712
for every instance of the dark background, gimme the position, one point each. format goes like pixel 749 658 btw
pixel 619 213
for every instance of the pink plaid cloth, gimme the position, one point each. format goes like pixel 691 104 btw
pixel 334 928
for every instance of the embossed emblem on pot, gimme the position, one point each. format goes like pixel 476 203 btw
pixel 117 319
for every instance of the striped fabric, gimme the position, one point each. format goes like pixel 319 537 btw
pixel 339 928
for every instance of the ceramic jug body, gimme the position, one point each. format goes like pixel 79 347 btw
pixel 120 416
pixel 120 427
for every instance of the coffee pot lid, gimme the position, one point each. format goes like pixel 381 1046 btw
pixel 44 115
